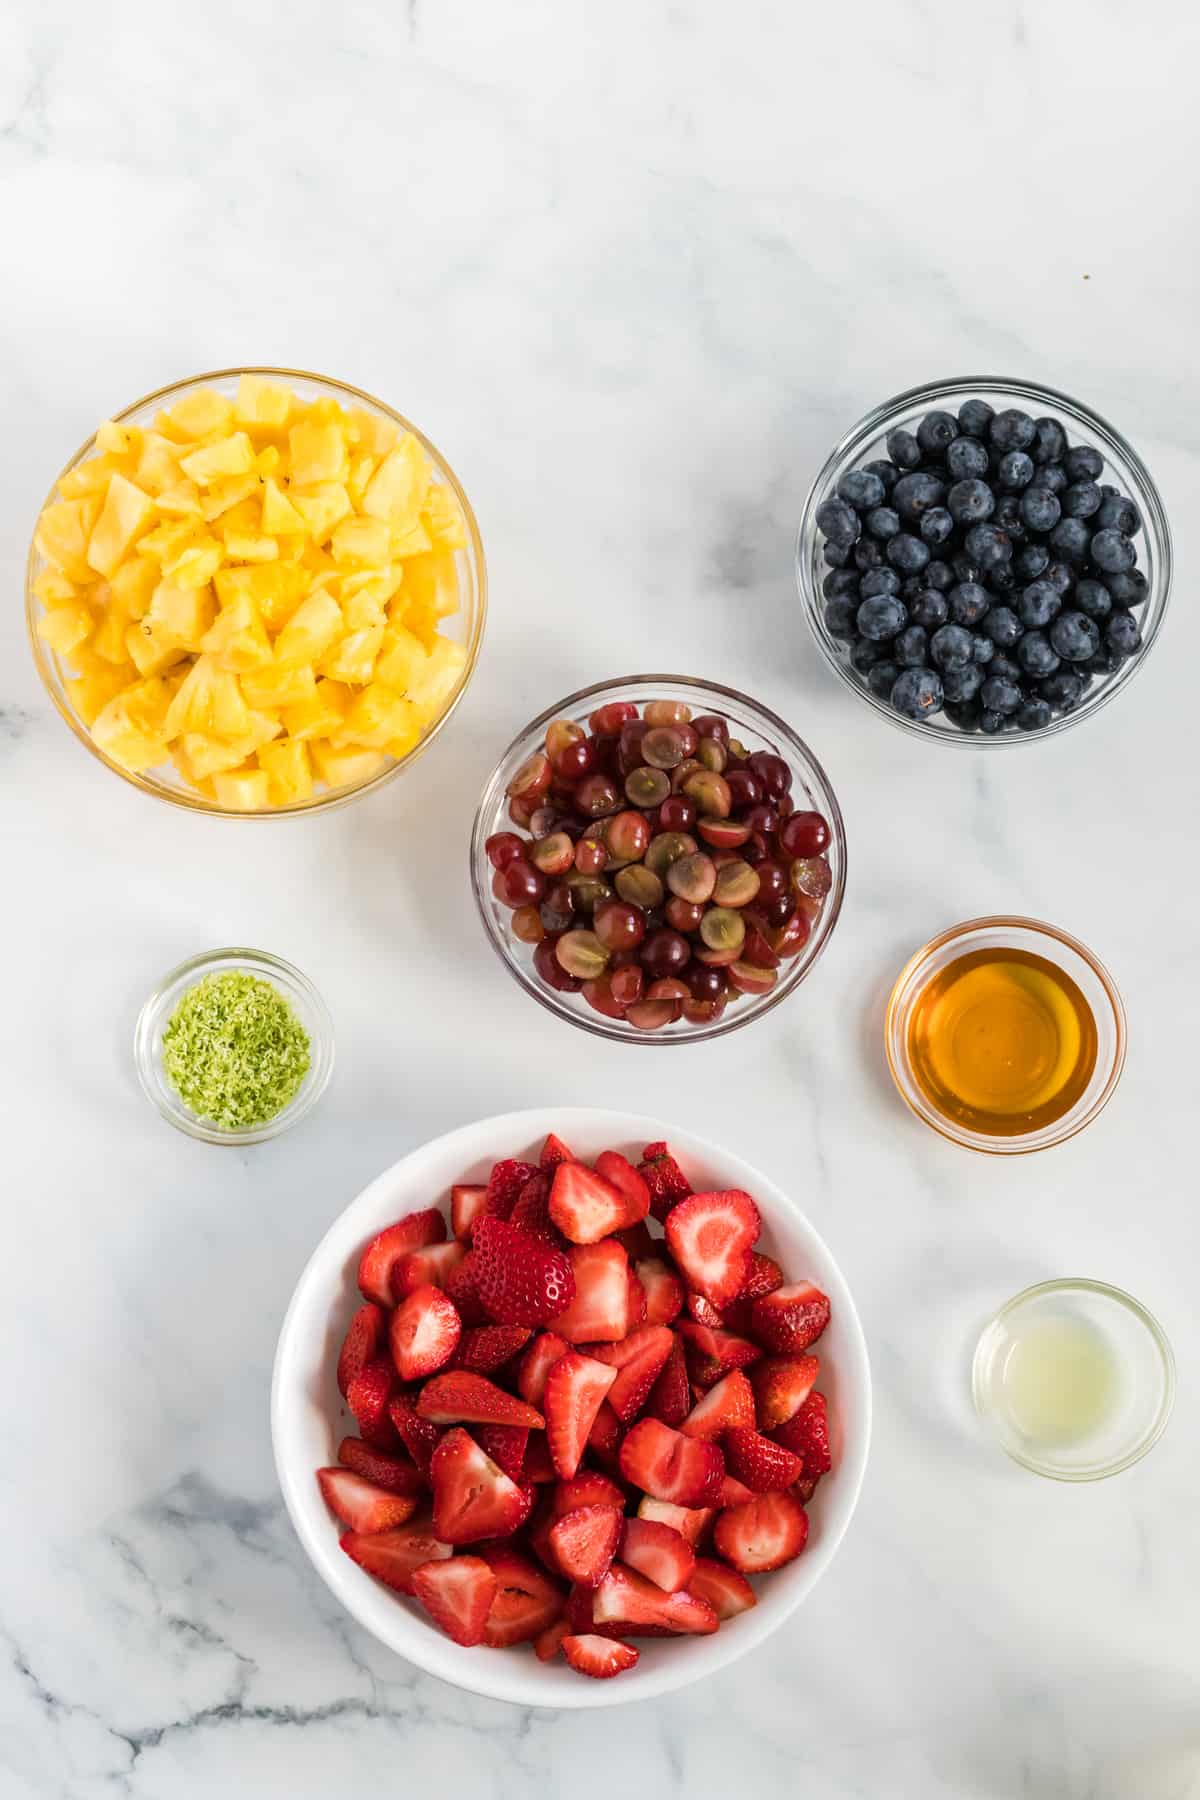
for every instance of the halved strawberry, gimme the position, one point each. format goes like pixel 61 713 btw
pixel 663 1289
pixel 536 1364
pixel 604 1439
pixel 585 1206
pixel 395 1474
pixel 727 1405
pixel 506 1445
pixel 620 1172
pixel 668 1466
pixel 659 1552
pixel 462 1286
pixel 635 1311
pixel 791 1318
pixel 733 1493
pixel 457 1595
pixel 522 1280
pixel 764 1534
pixel 548 1643
pixel 711 1236
pixel 599 1311
pixel 763 1466
pixel 806 1434
pixel 554 1151
pixel 382 1254
pixel 638 1360
pixel 526 1602
pixel 487 1347
pixel 504 1186
pixel 367 1397
pixel 429 1267
pixel 627 1599
pixel 532 1211
pixel 599 1657
pixel 804 1489
pixel 420 1436
pixel 636 1241
pixel 360 1343
pixel 539 1465
pixel 671 1396
pixel 781 1386
pixel 585 1541
pixel 424 1333
pixel 691 1522
pixel 588 1488
pixel 715 1352
pixel 361 1505
pixel 727 1592
pixel 392 1556
pixel 704 1312
pixel 472 1497
pixel 764 1276
pixel 468 1202
pixel 575 1387
pixel 664 1178
pixel 461 1397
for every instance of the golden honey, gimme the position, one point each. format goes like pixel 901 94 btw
pixel 1002 1041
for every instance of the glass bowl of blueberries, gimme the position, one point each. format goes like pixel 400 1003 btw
pixel 985 560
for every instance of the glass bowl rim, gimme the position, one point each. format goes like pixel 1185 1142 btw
pixel 46 663
pixel 854 441
pixel 598 1025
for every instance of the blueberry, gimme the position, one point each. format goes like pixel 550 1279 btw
pixel 836 555
pixel 903 449
pixel 970 501
pixel 1081 500
pixel 937 527
pixel 864 654
pixel 1092 598
pixel 1005 667
pixel 839 618
pixel 966 459
pixel 907 553
pixel 887 472
pixel 914 494
pixel 883 521
pixel 861 490
pixel 965 567
pixel 1060 575
pixel 838 521
pixel 1030 561
pixel 929 609
pixel 1016 470
pixel 1118 514
pixel 910 587
pixel 1105 662
pixel 974 417
pixel 1001 580
pixel 991 722
pixel 1039 603
pixel 964 713
pixel 1070 538
pixel 1008 516
pixel 1052 476
pixel 936 432
pixel 1112 552
pixel 912 647
pixel 938 575
pixel 881 617
pixel 982 648
pixel 840 584
pixel 988 546
pixel 1074 636
pixel 867 555
pixel 950 647
pixel 1036 654
pixel 1049 441
pixel 1064 689
pixel 968 603
pixel 1129 588
pixel 881 679
pixel 1002 626
pixel 999 695
pixel 1011 430
pixel 878 581
pixel 1040 510
pixel 918 694
pixel 1082 463
pixel 1034 715
pixel 1121 633
pixel 962 682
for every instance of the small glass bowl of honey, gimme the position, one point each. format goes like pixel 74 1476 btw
pixel 1006 1035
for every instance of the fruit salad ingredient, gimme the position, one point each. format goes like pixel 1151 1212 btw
pixel 234 1051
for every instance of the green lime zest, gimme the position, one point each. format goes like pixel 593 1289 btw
pixel 234 1051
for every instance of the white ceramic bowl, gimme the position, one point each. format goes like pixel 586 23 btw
pixel 308 1417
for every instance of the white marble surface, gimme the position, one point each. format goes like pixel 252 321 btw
pixel 633 267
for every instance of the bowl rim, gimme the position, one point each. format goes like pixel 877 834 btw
pixel 508 1678
pixel 854 441
pixel 46 662
pixel 734 1017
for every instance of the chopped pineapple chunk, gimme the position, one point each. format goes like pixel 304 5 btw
pixel 243 790
pixel 322 714
pixel 270 688
pixel 201 414
pixel 261 402
pixel 209 701
pixel 378 717
pixel 318 452
pixel 233 455
pixel 65 628
pixel 238 639
pixel 289 771
pixel 315 625
pixel 279 516
pixel 401 659
pixel 126 514
pixel 345 767
pixel 353 658
pixel 396 492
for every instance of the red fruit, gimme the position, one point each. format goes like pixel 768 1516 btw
pixel 575 1387
pixel 585 1541
pixel 385 1251
pixel 663 1289
pixel 360 1343
pixel 585 1206
pixel 526 1601
pixel 457 1595
pixel 764 1277
pixel 604 1439
pixel 588 1488
pixel 781 1386
pixel 727 1592
pixel 704 1312
pixel 536 1364
pixel 488 1347
pixel 714 1353
pixel 420 1436
pixel 664 1178
pixel 598 1657
pixel 361 1505
pixel 538 1464
pixel 548 1643
pixel 467 1203
pixel 636 1312
pixel 638 1360
pixel 659 1552
pixel 733 1493
pixel 504 1187
pixel 599 1311
pixel 620 1172
pixel 392 1473
pixel 791 1318
pixel 460 1396
pixel 554 1151
pixel 763 1466
pixel 668 1466
pixel 636 1241
pixel 804 1489
pixel 671 1396
pixel 368 1396
pixel 430 1267
pixel 472 1497
pixel 726 1406
pixel 628 1599
pixel 711 1236
pixel 506 1445
pixel 393 1556
pixel 807 1436
pixel 532 1211
pixel 424 1333
pixel 764 1534
pixel 463 1288
pixel 690 1522
pixel 521 1279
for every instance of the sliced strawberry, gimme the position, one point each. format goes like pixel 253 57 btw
pixel 690 1522
pixel 781 1386
pixel 671 1396
pixel 457 1595
pixel 762 1466
pixel 548 1643
pixel 588 1488
pixel 791 1318
pixel 424 1333
pixel 585 1541
pixel 635 1310
pixel 536 1364
pixel 585 1206
pixel 604 1439
pixel 382 1254
pixel 526 1602
pixel 395 1474
pixel 575 1387
pixel 580 1602
pixel 361 1505
pixel 599 1657
pixel 664 1178
pixel 472 1497
pixel 626 1598
pixel 419 1436
pixel 727 1405
pixel 636 1241
pixel 621 1174
pixel 367 1397
pixel 538 1531
pixel 599 1311
pixel 663 1289
pixel 360 1343
pixel 392 1556
pixel 711 1237
pixel 704 1312
pixel 462 1286
pixel 487 1347
pixel 659 1552
pixel 764 1534
pixel 506 1445
pixel 459 1397
pixel 532 1211
pixel 806 1434
pixel 522 1280
pixel 468 1202
pixel 554 1151
pixel 429 1267
pixel 804 1489
pixel 638 1359
pixel 733 1493
pixel 714 1353
pixel 764 1277
pixel 727 1592
pixel 668 1466
pixel 539 1465
pixel 504 1187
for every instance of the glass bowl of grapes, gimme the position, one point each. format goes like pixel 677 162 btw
pixel 658 859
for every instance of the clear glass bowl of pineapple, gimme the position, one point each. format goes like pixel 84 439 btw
pixel 256 592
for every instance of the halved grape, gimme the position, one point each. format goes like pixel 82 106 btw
pixel 710 792
pixel 618 925
pixel 716 959
pixel 723 929
pixel 596 795
pixel 627 984
pixel 812 875
pixel 640 886
pixel 711 754
pixel 682 775
pixel 692 877
pixel 677 813
pixel 575 760
pixel 651 1015
pixel 666 712
pixel 667 848
pixel 531 779
pixel 546 962
pixel 591 855
pixel 598 993
pixel 587 891
pixel 711 725
pixel 663 748
pixel 645 786
pixel 581 954
pixel 736 885
pixel 665 952
pixel 519 812
pixel 683 915
pixel 804 834
pixel 610 718
pixel 723 834
pixel 790 938
pixel 527 925
pixel 558 908
pixel 771 771
pixel 744 788
pixel 554 855
pixel 627 836
pixel 749 978
pixel 560 733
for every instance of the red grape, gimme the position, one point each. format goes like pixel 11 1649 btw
pixel 771 770
pixel 744 789
pixel 664 953
pixel 531 779
pixel 518 883
pixel 503 847
pixel 610 718
pixel 618 925
pixel 551 970
pixel 591 855
pixel 666 712
pixel 596 795
pixel 804 834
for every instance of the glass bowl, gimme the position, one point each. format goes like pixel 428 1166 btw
pixel 1124 467
pixel 759 729
pixel 1057 947
pixel 155 1016
pixel 466 625
pixel 1117 1380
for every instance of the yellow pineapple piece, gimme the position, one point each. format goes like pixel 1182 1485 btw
pixel 157 466
pixel 410 540
pixel 267 461
pixel 124 739
pixel 65 628
pixel 397 489
pixel 432 582
pixel 94 686
pixel 133 585
pixel 196 564
pixel 224 494
pixel 321 715
pixel 180 501
pixel 233 455
pixel 341 766
pixel 262 402
pixel 245 517
pixel 279 516
pixel 437 680
pixel 54 588
pixel 401 659
pixel 378 717
pixel 109 640
pixel 117 440
pixel 314 626
pixel 92 476
pixel 150 653
pixel 318 452
pixel 250 547
pixel 210 755
pixel 371 432
pixel 352 658
pixel 289 771
pixel 238 638
pixel 209 701
pixel 276 589
pixel 179 615
pixel 442 517
pixel 242 790
pixel 168 540
pixel 363 541
pixel 202 414
pixel 146 703
pixel 271 688
pixel 62 538
pixel 363 608
pixel 322 508
pixel 361 470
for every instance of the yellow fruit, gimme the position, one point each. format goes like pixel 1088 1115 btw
pixel 210 701
pixel 65 628
pixel 117 440
pixel 400 660
pixel 150 654
pixel 109 640
pixel 250 546
pixel 62 538
pixel 180 501
pixel 363 541
pixel 91 477
pixel 396 492
pixel 289 771
pixel 232 455
pixel 224 494
pixel 362 609
pixel 378 717
pixel 315 625
pixel 361 470
pixel 261 402
pixel 443 519
pixel 372 433
pixel 410 540
pixel 133 585
pixel 322 508
pixel 168 540
pixel 432 582
pixel 343 767
pixel 195 565
pixel 180 615
pixel 352 659
pixel 437 680
pixel 157 465
pixel 279 516
pixel 323 714
pixel 267 461
pixel 202 413
pixel 96 683
pixel 276 589
pixel 120 736
pixel 237 638
pixel 318 453
pixel 242 790
pixel 268 689
pixel 54 588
